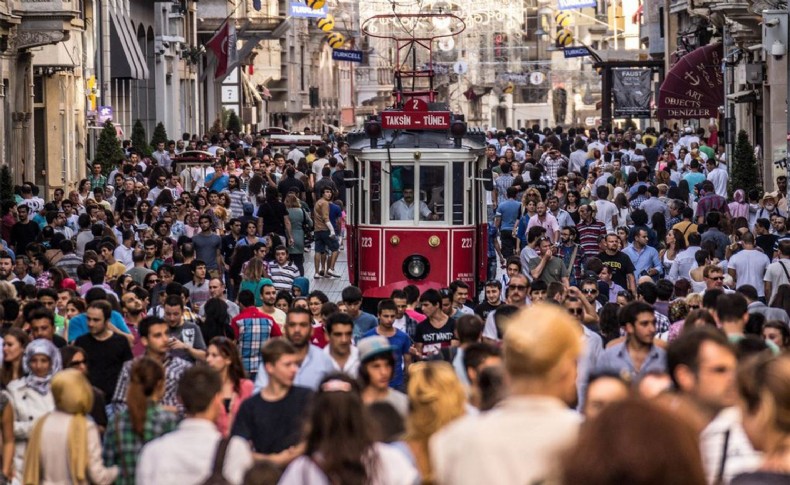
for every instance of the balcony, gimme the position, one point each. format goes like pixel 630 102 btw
pixel 45 22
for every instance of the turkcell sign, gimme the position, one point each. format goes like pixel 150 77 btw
pixel 346 55
pixel 575 52
pixel 415 120
pixel 302 11
pixel 574 4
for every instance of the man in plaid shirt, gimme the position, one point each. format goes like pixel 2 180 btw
pixel 154 336
pixel 252 328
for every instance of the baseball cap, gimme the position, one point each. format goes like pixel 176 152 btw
pixel 372 346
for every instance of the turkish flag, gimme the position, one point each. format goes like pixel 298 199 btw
pixel 223 46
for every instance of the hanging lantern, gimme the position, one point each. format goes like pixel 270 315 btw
pixel 335 40
pixel 564 38
pixel 327 23
pixel 315 4
pixel 563 19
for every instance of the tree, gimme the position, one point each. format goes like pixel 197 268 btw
pixel 234 123
pixel 160 135
pixel 216 128
pixel 6 184
pixel 743 172
pixel 108 148
pixel 140 140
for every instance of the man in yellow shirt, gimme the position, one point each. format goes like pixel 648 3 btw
pixel 114 267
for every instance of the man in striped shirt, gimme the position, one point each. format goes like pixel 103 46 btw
pixel 590 231
pixel 282 271
pixel 238 197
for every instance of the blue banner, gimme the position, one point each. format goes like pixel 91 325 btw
pixel 302 11
pixel 574 4
pixel 576 52
pixel 346 55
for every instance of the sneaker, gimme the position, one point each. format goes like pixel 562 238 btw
pixel 318 275
pixel 332 274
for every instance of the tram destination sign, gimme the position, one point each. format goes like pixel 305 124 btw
pixel 415 120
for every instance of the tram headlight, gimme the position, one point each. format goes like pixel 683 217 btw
pixel 416 267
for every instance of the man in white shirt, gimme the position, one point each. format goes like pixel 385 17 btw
pixel 123 252
pixel 318 165
pixel 578 158
pixel 342 352
pixel 490 447
pixel 718 176
pixel 778 272
pixel 403 209
pixel 747 266
pixel 606 212
pixel 186 455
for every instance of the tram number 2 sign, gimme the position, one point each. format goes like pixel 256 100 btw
pixel 415 120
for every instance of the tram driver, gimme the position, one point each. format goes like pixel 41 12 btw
pixel 403 209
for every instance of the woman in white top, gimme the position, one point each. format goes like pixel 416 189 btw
pixel 339 447
pixel 675 243
pixel 30 395
pixel 64 445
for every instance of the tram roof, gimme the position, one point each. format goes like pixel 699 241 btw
pixel 358 140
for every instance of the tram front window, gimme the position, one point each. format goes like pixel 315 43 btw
pixel 406 198
pixel 403 208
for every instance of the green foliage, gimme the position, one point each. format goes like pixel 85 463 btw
pixel 6 183
pixel 140 140
pixel 743 172
pixel 216 128
pixel 234 123
pixel 108 148
pixel 160 135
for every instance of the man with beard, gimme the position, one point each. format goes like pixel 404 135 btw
pixel 313 363
pixel 637 356
pixel 7 267
pixel 133 314
pixel 703 368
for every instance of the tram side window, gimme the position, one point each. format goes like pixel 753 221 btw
pixel 402 193
pixel 432 195
pixel 458 192
pixel 375 193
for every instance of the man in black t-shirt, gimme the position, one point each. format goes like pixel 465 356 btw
pixel 272 419
pixel 438 330
pixel 493 299
pixel 105 350
pixel 619 263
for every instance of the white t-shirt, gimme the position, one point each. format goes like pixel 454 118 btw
pixel 776 275
pixel 318 166
pixel 719 179
pixel 605 211
pixel 749 266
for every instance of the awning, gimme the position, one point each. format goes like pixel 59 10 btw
pixel 127 57
pixel 694 87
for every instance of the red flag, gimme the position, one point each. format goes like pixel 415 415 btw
pixel 223 46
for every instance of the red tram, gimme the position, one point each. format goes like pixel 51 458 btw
pixel 416 211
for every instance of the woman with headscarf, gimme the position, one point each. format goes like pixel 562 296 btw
pixel 30 395
pixel 64 445
pixel 740 206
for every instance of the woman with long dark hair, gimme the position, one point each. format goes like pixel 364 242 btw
pixel 781 298
pixel 216 320
pixel 674 242
pixel 142 421
pixel 223 356
pixel 339 445
pixel 659 223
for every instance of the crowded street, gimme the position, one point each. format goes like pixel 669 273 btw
pixel 396 242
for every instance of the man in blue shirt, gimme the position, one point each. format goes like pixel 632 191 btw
pixel 637 356
pixel 645 258
pixel 399 341
pixel 506 218
pixel 219 180
pixel 363 321
pixel 78 326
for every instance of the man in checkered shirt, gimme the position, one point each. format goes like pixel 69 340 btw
pixel 252 328
pixel 154 336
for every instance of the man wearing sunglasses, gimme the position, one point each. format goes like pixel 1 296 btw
pixel 516 295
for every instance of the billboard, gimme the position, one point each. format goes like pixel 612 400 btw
pixel 632 89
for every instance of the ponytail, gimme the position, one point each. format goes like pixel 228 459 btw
pixel 146 377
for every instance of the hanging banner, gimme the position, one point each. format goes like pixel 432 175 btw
pixel 632 92
pixel 694 87
pixel 574 4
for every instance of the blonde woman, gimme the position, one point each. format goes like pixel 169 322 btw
pixel 64 445
pixel 436 398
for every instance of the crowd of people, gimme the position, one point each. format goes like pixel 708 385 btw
pixel 157 325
